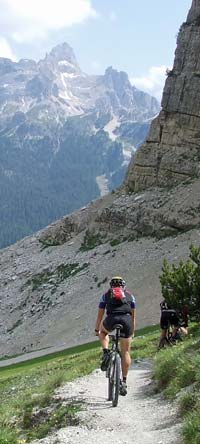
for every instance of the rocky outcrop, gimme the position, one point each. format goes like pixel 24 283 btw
pixel 171 153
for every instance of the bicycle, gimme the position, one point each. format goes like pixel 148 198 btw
pixel 113 372
pixel 169 340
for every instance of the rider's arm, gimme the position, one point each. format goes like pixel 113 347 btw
pixel 99 319
pixel 100 314
pixel 133 314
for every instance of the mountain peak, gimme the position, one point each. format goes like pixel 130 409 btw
pixel 64 56
pixel 194 12
pixel 116 79
pixel 110 72
pixel 63 51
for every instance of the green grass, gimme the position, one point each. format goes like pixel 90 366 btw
pixel 29 386
pixel 91 240
pixel 55 277
pixel 177 373
pixel 28 410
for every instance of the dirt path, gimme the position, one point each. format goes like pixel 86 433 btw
pixel 140 418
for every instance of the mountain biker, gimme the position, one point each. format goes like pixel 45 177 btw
pixel 172 317
pixel 117 312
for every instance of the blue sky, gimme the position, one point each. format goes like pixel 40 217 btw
pixel 136 36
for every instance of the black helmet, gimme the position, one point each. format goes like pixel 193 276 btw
pixel 164 305
pixel 117 281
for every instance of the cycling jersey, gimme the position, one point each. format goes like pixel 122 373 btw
pixel 169 317
pixel 111 308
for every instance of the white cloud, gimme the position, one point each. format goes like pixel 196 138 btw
pixel 31 19
pixel 5 50
pixel 153 82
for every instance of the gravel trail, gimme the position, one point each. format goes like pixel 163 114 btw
pixel 140 418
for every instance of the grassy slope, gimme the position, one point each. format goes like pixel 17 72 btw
pixel 26 389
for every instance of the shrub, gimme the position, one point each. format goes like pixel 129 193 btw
pixel 181 283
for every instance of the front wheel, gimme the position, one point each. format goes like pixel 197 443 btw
pixel 114 380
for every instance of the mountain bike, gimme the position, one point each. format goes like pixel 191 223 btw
pixel 113 372
pixel 169 340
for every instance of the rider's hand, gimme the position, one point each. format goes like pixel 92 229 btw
pixel 96 332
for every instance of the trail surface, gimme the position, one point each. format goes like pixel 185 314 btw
pixel 140 418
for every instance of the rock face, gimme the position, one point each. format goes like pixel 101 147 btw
pixel 171 153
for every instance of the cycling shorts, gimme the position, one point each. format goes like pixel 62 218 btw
pixel 124 319
pixel 169 317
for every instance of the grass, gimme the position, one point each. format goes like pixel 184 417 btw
pixel 177 372
pixel 26 395
pixel 55 277
pixel 91 240
pixel 28 409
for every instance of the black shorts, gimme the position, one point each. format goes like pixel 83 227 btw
pixel 169 317
pixel 124 319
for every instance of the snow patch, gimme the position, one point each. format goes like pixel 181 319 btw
pixel 65 63
pixel 151 118
pixel 127 153
pixel 102 183
pixel 111 126
pixel 70 75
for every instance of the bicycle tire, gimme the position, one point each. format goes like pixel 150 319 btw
pixel 110 377
pixel 114 380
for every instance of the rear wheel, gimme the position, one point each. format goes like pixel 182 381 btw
pixel 114 380
pixel 110 378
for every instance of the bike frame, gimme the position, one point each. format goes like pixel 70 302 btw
pixel 114 368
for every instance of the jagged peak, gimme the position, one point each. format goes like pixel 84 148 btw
pixel 194 12
pixel 63 51
pixel 116 79
pixel 113 73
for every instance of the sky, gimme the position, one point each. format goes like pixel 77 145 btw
pixel 135 36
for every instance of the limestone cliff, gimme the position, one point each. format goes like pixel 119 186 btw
pixel 171 153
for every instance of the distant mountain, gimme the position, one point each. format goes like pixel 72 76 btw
pixel 65 137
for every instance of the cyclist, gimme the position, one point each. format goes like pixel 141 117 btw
pixel 171 317
pixel 120 308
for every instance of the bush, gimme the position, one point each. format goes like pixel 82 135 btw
pixel 181 283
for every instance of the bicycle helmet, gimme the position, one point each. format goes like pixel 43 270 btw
pixel 117 281
pixel 164 305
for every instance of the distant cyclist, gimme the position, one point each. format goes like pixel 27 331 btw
pixel 177 319
pixel 120 308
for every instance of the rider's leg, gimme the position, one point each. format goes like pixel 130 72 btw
pixel 125 353
pixel 163 337
pixel 126 362
pixel 175 330
pixel 104 339
pixel 184 330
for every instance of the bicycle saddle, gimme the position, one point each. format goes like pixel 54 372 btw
pixel 117 326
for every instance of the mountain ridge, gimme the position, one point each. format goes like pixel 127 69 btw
pixel 65 137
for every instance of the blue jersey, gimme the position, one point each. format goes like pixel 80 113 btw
pixel 106 302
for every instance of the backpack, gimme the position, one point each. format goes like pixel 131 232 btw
pixel 117 296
